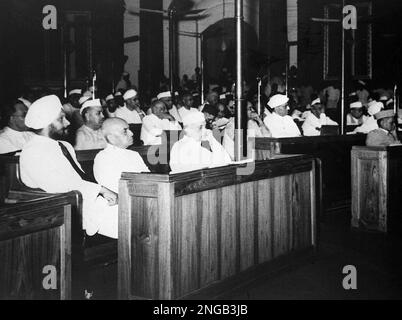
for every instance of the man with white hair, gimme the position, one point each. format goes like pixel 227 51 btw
pixel 316 119
pixel 156 123
pixel 131 112
pixel 371 123
pixel 52 166
pixel 386 134
pixel 279 123
pixel 166 97
pixel 115 159
pixel 198 148
pixel 89 136
pixel 356 116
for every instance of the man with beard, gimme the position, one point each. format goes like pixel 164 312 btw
pixel 52 166
pixel 89 136
pixel 72 103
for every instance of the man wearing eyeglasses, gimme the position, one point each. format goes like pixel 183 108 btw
pixel 131 112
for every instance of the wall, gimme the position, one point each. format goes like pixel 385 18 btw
pixel 132 50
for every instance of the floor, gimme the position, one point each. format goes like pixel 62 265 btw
pixel 377 258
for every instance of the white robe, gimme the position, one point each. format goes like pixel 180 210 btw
pixel 153 127
pixel 111 162
pixel 184 111
pixel 352 121
pixel 311 124
pixel 175 113
pixel 12 140
pixel 282 127
pixel 44 166
pixel 188 155
pixel 131 117
pixel 369 125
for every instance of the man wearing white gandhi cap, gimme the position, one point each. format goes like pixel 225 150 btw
pixel 386 134
pixel 89 135
pixel 131 111
pixel 371 123
pixel 52 166
pixel 198 148
pixel 166 97
pixel 279 123
pixel 356 116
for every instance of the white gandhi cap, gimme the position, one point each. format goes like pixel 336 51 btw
pixel 277 101
pixel 193 118
pixel 43 112
pixel 90 104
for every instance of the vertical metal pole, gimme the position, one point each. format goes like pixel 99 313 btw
pixel 202 67
pixel 395 101
pixel 171 51
pixel 64 62
pixel 343 77
pixel 259 106
pixel 197 44
pixel 240 139
pixel 93 85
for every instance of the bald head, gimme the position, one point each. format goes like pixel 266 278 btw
pixel 117 133
pixel 158 108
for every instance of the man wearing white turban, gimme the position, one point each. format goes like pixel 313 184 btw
pixel 52 166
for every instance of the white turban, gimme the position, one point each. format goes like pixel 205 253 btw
pixel 193 118
pixel 277 101
pixel 90 104
pixel 165 94
pixel 356 105
pixel 43 112
pixel 131 93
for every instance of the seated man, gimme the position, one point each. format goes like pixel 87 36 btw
pixel 198 148
pixel 316 119
pixel 156 123
pixel 386 134
pixel 111 106
pixel 89 136
pixel 166 97
pixel 15 135
pixel 356 116
pixel 279 123
pixel 131 112
pixel 115 159
pixel 187 105
pixel 52 166
pixel 210 114
pixel 72 102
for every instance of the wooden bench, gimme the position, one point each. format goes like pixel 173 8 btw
pixel 334 154
pixel 377 188
pixel 33 235
pixel 201 233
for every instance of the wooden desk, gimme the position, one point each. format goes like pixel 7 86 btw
pixel 334 153
pixel 33 235
pixel 204 230
pixel 377 188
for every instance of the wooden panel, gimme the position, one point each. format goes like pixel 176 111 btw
pixel 34 235
pixel 265 221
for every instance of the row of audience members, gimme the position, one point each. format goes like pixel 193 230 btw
pixel 49 163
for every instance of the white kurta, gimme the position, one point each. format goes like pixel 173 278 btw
pixel 188 155
pixel 369 125
pixel 12 140
pixel 89 139
pixel 311 124
pixel 175 113
pixel 131 117
pixel 184 111
pixel 281 127
pixel 110 163
pixel 44 166
pixel 153 127
pixel 352 121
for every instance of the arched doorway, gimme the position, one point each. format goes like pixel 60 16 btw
pixel 219 50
